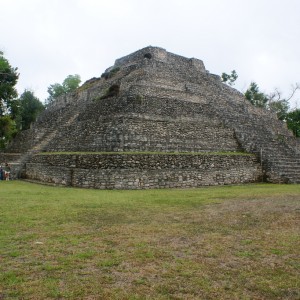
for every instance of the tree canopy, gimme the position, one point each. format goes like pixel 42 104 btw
pixel 71 83
pixel 29 108
pixel 8 95
pixel 256 97
pixel 8 80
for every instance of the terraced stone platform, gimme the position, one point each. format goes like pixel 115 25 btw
pixel 155 107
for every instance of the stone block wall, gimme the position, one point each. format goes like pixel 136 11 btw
pixel 139 133
pixel 143 171
pixel 160 55
pixel 9 157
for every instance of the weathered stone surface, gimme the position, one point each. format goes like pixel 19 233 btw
pixel 141 171
pixel 156 101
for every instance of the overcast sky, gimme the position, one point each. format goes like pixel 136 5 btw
pixel 50 39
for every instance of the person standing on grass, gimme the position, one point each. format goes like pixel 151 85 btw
pixel 1 173
pixel 6 171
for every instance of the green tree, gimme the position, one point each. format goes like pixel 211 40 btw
pixel 7 130
pixel 229 78
pixel 8 80
pixel 29 108
pixel 71 83
pixel 256 97
pixel 293 121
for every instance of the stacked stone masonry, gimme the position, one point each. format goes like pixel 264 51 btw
pixel 138 171
pixel 155 101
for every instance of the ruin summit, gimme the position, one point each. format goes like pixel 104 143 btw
pixel 155 120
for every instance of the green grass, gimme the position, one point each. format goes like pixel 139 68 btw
pixel 233 242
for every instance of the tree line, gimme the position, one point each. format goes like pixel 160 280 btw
pixel 273 102
pixel 17 113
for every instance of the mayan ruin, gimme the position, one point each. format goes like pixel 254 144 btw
pixel 155 120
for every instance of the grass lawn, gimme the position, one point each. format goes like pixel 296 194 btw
pixel 238 242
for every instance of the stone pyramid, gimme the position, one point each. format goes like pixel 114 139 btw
pixel 155 120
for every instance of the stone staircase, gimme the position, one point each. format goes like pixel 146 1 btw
pixel 18 167
pixel 286 167
pixel 264 136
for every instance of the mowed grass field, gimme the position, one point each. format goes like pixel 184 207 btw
pixel 233 242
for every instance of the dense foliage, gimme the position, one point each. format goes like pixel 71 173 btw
pixel 15 113
pixel 8 94
pixel 29 108
pixel 8 80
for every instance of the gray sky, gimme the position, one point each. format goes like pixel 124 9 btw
pixel 51 39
